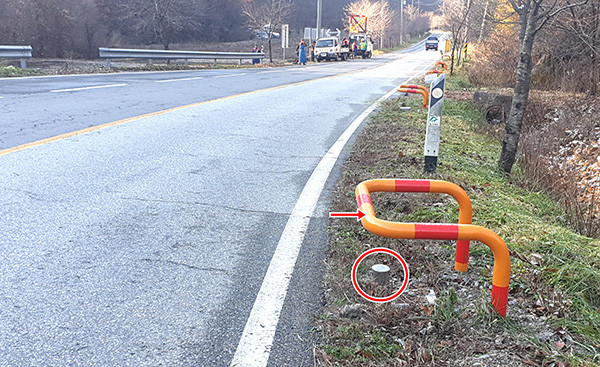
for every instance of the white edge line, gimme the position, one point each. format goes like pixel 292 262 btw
pixel 109 73
pixel 86 88
pixel 179 80
pixel 256 342
pixel 228 75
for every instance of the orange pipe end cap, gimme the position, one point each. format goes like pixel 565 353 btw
pixel 500 299
pixel 461 267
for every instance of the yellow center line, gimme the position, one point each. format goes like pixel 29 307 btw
pixel 119 122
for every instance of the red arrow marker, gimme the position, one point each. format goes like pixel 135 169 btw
pixel 359 214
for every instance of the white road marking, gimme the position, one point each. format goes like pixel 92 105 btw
pixel 86 88
pixel 179 80
pixel 257 339
pixel 228 75
pixel 267 72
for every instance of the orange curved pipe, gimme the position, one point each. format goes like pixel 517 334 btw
pixel 433 231
pixel 415 86
pixel 465 208
pixel 434 72
pixel 416 91
pixel 446 57
pixel 444 65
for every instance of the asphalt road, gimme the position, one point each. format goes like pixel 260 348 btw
pixel 145 243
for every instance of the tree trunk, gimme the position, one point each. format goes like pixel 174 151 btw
pixel 452 57
pixel 487 3
pixel 521 94
pixel 595 70
pixel 270 50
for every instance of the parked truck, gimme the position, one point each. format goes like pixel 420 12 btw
pixel 331 48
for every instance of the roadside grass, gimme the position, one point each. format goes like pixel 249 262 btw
pixel 11 71
pixel 554 309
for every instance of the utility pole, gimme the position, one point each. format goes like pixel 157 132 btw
pixel 319 11
pixel 381 22
pixel 401 22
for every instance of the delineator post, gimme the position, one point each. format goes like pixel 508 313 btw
pixel 434 123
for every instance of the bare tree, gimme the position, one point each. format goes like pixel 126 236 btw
pixel 455 14
pixel 163 19
pixel 268 15
pixel 378 13
pixel 533 16
pixel 584 25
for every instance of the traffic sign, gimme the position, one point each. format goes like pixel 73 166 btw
pixel 358 24
pixel 331 33
pixel 285 35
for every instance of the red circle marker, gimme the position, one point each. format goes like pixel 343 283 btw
pixel 380 299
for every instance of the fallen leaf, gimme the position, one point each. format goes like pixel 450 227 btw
pixel 428 310
pixel 559 345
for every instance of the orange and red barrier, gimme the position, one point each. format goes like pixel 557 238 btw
pixel 465 209
pixel 416 89
pixel 433 231
pixel 433 71
pixel 442 64
pixel 446 57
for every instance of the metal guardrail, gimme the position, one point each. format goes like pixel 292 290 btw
pixel 16 52
pixel 120 53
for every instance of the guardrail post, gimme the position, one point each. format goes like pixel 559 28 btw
pixel 240 62
pixel 150 62
pixel 215 63
pixel 108 66
pixel 186 63
pixel 23 64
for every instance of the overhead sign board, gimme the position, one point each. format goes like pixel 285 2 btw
pixel 358 24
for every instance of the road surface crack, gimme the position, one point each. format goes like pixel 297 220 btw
pixel 207 204
pixel 171 262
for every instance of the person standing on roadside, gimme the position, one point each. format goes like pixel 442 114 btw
pixel 302 53
pixel 354 49
pixel 255 50
pixel 363 48
pixel 312 51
